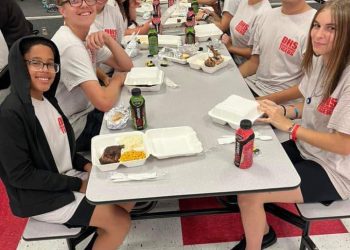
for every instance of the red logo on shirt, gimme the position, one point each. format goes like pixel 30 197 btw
pixel 288 46
pixel 326 107
pixel 242 27
pixel 61 125
pixel 112 33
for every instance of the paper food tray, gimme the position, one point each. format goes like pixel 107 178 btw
pixel 197 62
pixel 100 142
pixel 233 110
pixel 145 78
pixel 161 143
pixel 163 41
pixel 203 32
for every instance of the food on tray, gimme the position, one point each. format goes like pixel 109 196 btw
pixel 117 116
pixel 142 40
pixel 111 154
pixel 210 62
pixel 184 56
pixel 150 64
pixel 132 142
pixel 132 155
pixel 214 60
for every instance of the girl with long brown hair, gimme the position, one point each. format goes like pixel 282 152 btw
pixel 320 145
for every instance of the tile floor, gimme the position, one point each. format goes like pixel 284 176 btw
pixel 165 234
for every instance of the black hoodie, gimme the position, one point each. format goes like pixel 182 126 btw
pixel 27 166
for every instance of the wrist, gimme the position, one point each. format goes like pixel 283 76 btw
pixel 293 131
pixel 295 112
pixel 284 110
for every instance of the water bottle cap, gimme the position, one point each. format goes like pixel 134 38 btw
pixel 136 91
pixel 245 124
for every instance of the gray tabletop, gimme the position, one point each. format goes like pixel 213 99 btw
pixel 211 172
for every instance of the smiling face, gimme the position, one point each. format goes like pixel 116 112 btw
pixel 323 33
pixel 79 17
pixel 41 79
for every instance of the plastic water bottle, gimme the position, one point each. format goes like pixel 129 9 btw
pixel 244 145
pixel 138 109
pixel 152 41
pixel 195 6
pixel 190 37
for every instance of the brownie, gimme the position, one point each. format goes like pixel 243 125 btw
pixel 111 154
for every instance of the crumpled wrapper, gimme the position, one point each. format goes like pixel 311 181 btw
pixel 133 47
pixel 121 123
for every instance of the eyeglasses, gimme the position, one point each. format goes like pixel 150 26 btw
pixel 78 3
pixel 39 65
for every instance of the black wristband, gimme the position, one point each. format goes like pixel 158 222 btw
pixel 284 110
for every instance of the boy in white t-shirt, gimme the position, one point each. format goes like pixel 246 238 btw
pixel 279 43
pixel 241 29
pixel 47 178
pixel 110 19
pixel 79 91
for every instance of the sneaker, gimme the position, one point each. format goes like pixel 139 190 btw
pixel 269 239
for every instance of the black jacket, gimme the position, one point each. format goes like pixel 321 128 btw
pixel 27 166
pixel 13 24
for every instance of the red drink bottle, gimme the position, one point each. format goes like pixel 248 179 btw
pixel 244 145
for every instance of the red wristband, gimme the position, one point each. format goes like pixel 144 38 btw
pixel 294 132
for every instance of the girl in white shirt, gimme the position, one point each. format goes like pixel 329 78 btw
pixel 320 146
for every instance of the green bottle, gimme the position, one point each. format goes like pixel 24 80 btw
pixel 190 37
pixel 195 6
pixel 152 40
pixel 138 109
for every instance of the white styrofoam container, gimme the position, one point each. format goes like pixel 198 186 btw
pixel 163 41
pixel 173 142
pixel 173 22
pixel 204 31
pixel 233 110
pixel 100 142
pixel 197 62
pixel 161 143
pixel 144 7
pixel 145 78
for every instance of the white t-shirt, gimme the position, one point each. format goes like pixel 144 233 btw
pixel 55 132
pixel 111 21
pixel 327 116
pixel 241 25
pixel 4 52
pixel 52 123
pixel 78 64
pixel 280 41
pixel 231 6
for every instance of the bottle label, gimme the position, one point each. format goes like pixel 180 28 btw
pixel 244 151
pixel 138 113
pixel 153 44
pixel 190 38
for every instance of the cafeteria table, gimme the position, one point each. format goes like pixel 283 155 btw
pixel 210 173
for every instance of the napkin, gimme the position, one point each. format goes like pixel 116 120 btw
pixel 170 83
pixel 120 177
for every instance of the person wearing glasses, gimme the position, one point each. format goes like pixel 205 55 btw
pixel 44 176
pixel 81 97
